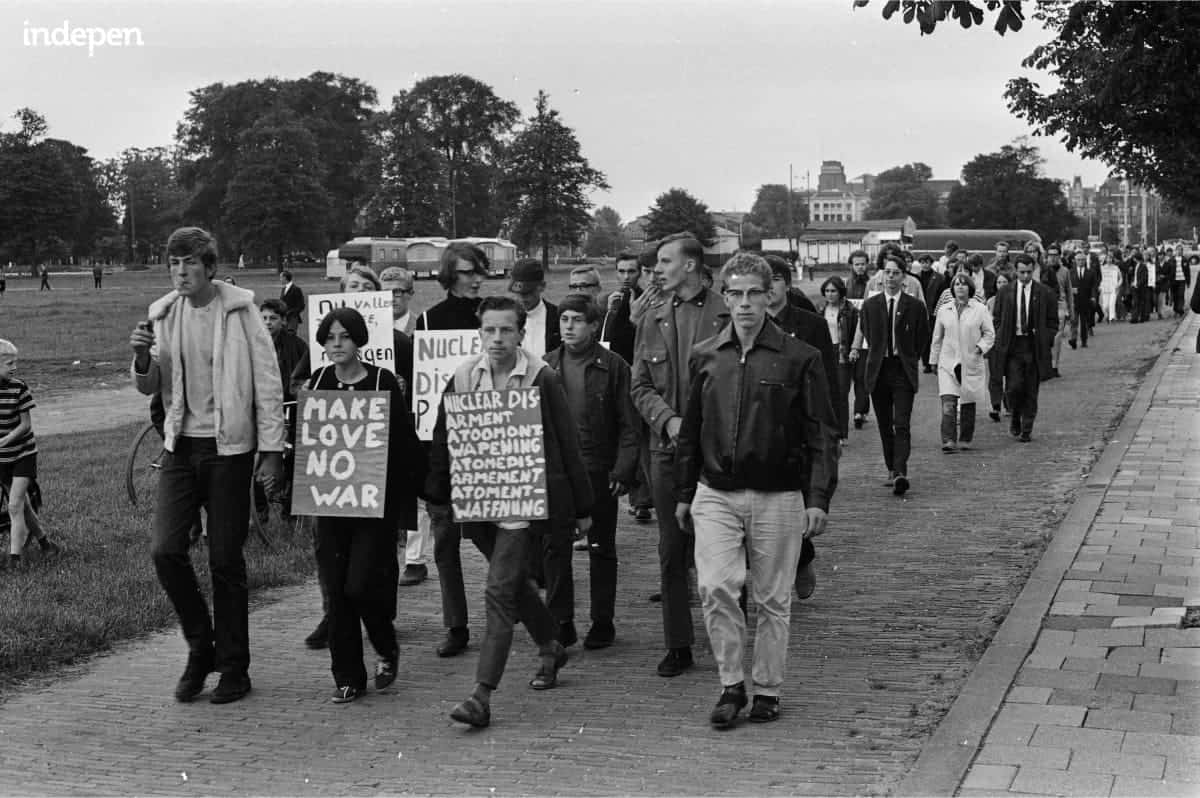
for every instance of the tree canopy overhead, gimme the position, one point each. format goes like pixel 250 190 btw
pixel 770 212
pixel 677 211
pixel 901 191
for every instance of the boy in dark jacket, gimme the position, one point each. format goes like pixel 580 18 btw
pixel 596 381
pixel 509 593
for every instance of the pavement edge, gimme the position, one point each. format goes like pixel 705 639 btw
pixel 946 756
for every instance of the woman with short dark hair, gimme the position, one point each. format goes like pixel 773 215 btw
pixel 842 319
pixel 962 335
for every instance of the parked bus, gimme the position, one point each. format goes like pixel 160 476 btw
pixel 933 242
pixel 421 256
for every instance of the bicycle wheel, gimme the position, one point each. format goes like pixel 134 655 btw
pixel 273 523
pixel 142 465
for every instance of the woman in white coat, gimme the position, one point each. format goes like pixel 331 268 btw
pixel 962 335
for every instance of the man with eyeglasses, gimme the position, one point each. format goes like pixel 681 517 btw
pixel 399 281
pixel 585 280
pixel 895 327
pixel 1025 316
pixel 741 483
pixel 205 348
pixel 527 284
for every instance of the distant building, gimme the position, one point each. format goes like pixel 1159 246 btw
pixel 836 199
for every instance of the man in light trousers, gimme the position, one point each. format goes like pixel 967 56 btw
pixel 759 432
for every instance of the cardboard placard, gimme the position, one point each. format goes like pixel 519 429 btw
pixel 436 354
pixel 341 453
pixel 376 310
pixel 497 455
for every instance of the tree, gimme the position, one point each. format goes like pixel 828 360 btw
pixel 900 192
pixel 771 214
pixel 1125 89
pixel 406 200
pixel 605 238
pixel 142 186
pixel 336 110
pixel 677 211
pixel 547 181
pixel 464 123
pixel 928 13
pixel 1006 190
pixel 276 199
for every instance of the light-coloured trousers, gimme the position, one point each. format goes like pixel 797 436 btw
pixel 768 527
pixel 417 548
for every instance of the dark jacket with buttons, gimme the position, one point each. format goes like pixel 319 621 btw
pixel 612 419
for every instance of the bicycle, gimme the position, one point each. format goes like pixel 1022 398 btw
pixel 269 523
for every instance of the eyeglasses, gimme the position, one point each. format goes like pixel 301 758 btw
pixel 582 286
pixel 402 291
pixel 468 271
pixel 738 296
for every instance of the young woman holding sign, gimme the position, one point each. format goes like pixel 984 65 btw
pixel 356 556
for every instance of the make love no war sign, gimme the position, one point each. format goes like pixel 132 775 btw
pixel 341 453
pixel 497 455
pixel 436 354
pixel 376 310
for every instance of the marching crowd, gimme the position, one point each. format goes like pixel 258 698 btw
pixel 720 412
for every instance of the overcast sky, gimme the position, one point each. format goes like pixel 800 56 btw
pixel 716 96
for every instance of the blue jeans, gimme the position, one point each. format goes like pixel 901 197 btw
pixel 509 595
pixel 191 476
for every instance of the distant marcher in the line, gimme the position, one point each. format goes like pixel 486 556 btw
pixel 293 297
pixel 1179 271
pixel 1025 320
pixel 528 283
pixel 45 286
pixel 856 288
pixel 962 336
pixel 206 349
pixel 97 275
pixel 893 326
pixel 616 329
pixel 1110 287
pixel 741 482
pixel 842 318
pixel 994 371
pixel 1085 283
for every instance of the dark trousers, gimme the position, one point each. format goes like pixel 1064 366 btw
pixel 995 379
pixel 356 560
pixel 958 420
pixel 509 595
pixel 447 536
pixel 862 399
pixel 602 552
pixel 1085 317
pixel 45 286
pixel 841 402
pixel 1145 303
pixel 96 280
pixel 893 399
pixel 674 554
pixel 1021 374
pixel 192 475
pixel 1178 289
pixel 550 553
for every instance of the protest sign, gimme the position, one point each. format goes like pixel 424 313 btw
pixel 497 455
pixel 341 453
pixel 436 354
pixel 376 310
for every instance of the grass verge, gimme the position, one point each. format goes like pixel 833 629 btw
pixel 102 589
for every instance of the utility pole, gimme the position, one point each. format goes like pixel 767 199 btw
pixel 1125 215
pixel 1145 237
pixel 791 225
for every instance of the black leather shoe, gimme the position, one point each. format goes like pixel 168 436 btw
pixel 232 687
pixel 413 575
pixel 567 634
pixel 994 415
pixel 455 643
pixel 319 637
pixel 858 420
pixel 901 486
pixel 599 636
pixel 676 662
pixel 191 684
pixel 472 712
pixel 1072 343
pixel 728 706
pixel 1026 437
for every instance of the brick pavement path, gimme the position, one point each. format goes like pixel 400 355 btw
pixel 909 592
pixel 1108 700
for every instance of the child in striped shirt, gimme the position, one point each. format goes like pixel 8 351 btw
pixel 18 455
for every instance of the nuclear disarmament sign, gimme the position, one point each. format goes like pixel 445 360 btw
pixel 436 354
pixel 497 455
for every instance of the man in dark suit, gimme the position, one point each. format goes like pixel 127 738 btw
pixel 895 330
pixel 1179 273
pixel 527 283
pixel 1085 286
pixel 293 298
pixel 1026 320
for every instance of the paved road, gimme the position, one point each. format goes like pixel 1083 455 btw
pixel 909 592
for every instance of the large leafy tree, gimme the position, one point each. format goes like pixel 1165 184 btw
pixel 276 199
pixel 677 211
pixel 605 238
pixel 901 191
pixel 1006 190
pixel 409 180
pixel 335 109
pixel 771 214
pixel 142 185
pixel 547 181
pixel 465 125
pixel 50 201
pixel 1125 87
